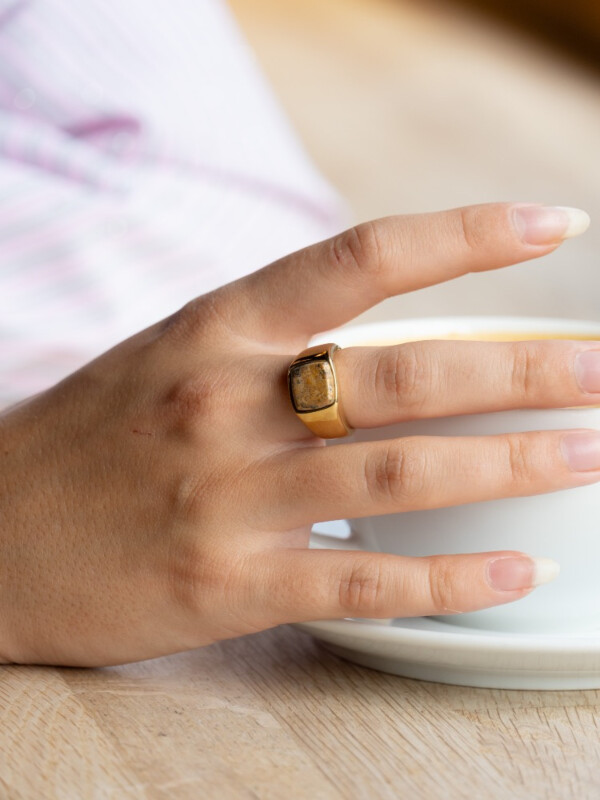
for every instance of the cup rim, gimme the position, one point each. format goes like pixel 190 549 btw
pixel 361 333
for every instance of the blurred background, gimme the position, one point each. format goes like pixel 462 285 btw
pixel 143 161
pixel 414 105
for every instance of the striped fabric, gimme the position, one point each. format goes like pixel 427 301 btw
pixel 143 161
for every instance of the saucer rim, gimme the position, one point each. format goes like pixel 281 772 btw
pixel 584 643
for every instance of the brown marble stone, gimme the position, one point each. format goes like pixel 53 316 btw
pixel 312 385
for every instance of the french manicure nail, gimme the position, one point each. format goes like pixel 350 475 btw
pixel 581 450
pixel 587 370
pixel 510 573
pixel 549 224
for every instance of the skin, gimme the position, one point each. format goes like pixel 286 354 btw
pixel 161 498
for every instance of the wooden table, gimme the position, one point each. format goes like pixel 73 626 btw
pixel 274 716
pixel 406 106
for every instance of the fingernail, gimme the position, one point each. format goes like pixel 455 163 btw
pixel 509 573
pixel 587 370
pixel 581 451
pixel 549 224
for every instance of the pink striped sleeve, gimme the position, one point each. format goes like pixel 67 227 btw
pixel 143 160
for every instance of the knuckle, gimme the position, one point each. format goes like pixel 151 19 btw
pixel 519 459
pixel 358 249
pixel 197 577
pixel 190 400
pixel 203 317
pixel 202 569
pixel 399 475
pixel 361 589
pixel 441 587
pixel 469 228
pixel 183 323
pixel 204 399
pixel 403 373
pixel 188 493
pixel 188 568
pixel 523 369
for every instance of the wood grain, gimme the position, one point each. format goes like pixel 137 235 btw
pixel 406 106
pixel 274 716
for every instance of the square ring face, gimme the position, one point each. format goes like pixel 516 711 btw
pixel 312 386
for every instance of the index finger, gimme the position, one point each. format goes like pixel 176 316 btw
pixel 329 283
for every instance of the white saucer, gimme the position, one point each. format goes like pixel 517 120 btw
pixel 431 650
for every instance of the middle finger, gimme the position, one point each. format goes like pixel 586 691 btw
pixel 381 386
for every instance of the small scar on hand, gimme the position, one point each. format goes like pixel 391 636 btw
pixel 142 433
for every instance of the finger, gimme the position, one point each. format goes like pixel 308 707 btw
pixel 415 380
pixel 329 283
pixel 303 585
pixel 416 472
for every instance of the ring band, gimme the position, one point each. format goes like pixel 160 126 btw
pixel 314 392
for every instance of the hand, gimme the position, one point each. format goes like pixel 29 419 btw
pixel 162 497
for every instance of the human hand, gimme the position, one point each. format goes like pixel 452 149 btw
pixel 162 497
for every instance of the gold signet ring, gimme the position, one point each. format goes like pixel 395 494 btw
pixel 314 392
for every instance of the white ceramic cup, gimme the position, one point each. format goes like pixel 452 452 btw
pixel 563 525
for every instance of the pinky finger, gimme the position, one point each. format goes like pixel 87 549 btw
pixel 304 585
